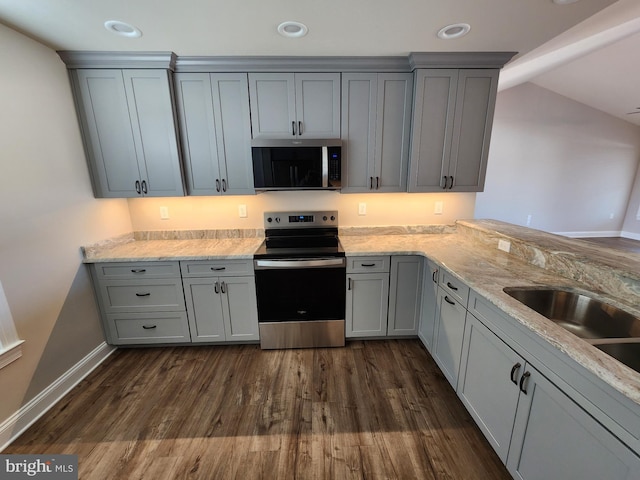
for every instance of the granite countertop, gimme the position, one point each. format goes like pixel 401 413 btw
pixel 479 264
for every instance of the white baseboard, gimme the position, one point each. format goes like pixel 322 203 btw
pixel 631 235
pixel 612 233
pixel 17 423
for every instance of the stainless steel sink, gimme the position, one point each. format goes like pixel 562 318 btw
pixel 580 314
pixel 597 322
pixel 627 353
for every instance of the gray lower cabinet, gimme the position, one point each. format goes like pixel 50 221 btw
pixel 367 299
pixel 215 129
pixel 488 386
pixel 221 301
pixel 290 105
pixel 536 428
pixel 554 438
pixel 129 131
pixel 141 303
pixel 451 311
pixel 428 307
pixel 376 114
pixel 451 128
pixel 405 290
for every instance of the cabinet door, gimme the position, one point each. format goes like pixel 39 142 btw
pixel 240 308
pixel 359 99
pixel 233 131
pixel 197 125
pixel 404 295
pixel 154 132
pixel 554 438
pixel 204 309
pixel 367 304
pixel 448 336
pixel 475 104
pixel 432 128
pixel 488 386
pixel 428 308
pixel 106 126
pixel 273 105
pixel 394 99
pixel 318 105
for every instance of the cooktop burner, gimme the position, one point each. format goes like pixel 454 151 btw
pixel 300 234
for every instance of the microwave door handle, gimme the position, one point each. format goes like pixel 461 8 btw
pixel 325 166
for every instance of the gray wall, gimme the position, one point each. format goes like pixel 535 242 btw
pixel 567 165
pixel 47 211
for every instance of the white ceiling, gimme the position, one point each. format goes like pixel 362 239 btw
pixel 605 78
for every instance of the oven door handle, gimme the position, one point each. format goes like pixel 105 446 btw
pixel 300 263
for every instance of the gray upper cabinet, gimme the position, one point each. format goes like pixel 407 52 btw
pixel 288 105
pixel 376 111
pixel 129 131
pixel 452 120
pixel 215 130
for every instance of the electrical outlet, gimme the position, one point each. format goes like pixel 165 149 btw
pixel 504 245
pixel 164 213
pixel 437 208
pixel 242 210
pixel 362 208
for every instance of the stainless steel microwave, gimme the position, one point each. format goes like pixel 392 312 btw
pixel 296 164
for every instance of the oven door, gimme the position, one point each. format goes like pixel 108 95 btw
pixel 301 302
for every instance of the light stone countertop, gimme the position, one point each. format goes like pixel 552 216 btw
pixel 484 268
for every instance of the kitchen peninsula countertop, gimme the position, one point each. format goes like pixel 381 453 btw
pixel 478 263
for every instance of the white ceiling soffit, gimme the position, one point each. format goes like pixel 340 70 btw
pixel 336 27
pixel 613 24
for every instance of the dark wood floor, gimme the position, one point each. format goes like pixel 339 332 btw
pixel 619 243
pixel 377 409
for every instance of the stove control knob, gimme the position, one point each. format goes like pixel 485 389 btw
pixel 333 217
pixel 324 218
pixel 277 219
pixel 269 219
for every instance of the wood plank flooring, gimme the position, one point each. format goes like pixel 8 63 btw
pixel 374 410
pixel 618 243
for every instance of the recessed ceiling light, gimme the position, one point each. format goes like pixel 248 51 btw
pixel 563 2
pixel 123 29
pixel 456 30
pixel 292 29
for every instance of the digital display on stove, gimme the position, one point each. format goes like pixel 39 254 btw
pixel 300 218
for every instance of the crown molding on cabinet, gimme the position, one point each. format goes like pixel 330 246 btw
pixel 89 59
pixel 459 59
pixel 382 64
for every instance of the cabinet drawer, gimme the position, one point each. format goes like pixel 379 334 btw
pixel 216 268
pixel 142 295
pixel 144 328
pixel 137 270
pixel 454 287
pixel 368 264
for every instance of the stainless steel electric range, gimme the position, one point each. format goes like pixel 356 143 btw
pixel 300 272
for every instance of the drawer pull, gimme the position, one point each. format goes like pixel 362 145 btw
pixel 148 294
pixel 218 269
pixel 138 270
pixel 149 327
pixel 454 288
pixel 367 264
pixel 450 302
